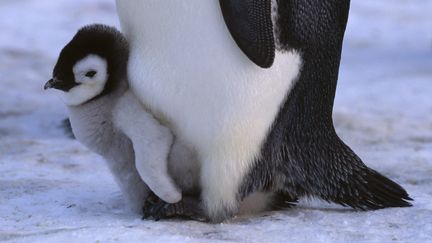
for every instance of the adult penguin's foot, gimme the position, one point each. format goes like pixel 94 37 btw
pixel 188 208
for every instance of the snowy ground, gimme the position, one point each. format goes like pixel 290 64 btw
pixel 52 189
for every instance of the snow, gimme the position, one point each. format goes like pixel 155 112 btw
pixel 53 189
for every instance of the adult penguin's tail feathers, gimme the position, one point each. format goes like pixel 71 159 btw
pixel 67 128
pixel 336 174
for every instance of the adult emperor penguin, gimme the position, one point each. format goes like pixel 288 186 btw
pixel 249 86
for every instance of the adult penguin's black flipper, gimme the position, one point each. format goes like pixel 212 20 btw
pixel 250 24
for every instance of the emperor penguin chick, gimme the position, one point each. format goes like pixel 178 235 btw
pixel 108 119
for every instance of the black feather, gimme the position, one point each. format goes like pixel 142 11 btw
pixel 67 128
pixel 303 155
pixel 250 24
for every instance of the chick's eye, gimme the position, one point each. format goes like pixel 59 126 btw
pixel 90 74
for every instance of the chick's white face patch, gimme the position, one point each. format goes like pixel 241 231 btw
pixel 91 74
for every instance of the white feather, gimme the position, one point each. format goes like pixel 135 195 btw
pixel 88 88
pixel 186 67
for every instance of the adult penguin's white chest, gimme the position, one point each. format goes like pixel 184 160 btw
pixel 187 69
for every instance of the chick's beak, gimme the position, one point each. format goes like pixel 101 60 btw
pixel 52 83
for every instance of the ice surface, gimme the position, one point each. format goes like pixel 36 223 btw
pixel 52 189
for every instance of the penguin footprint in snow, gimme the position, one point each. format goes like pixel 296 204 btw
pixel 106 117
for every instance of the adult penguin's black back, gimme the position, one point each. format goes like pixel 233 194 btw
pixel 303 156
